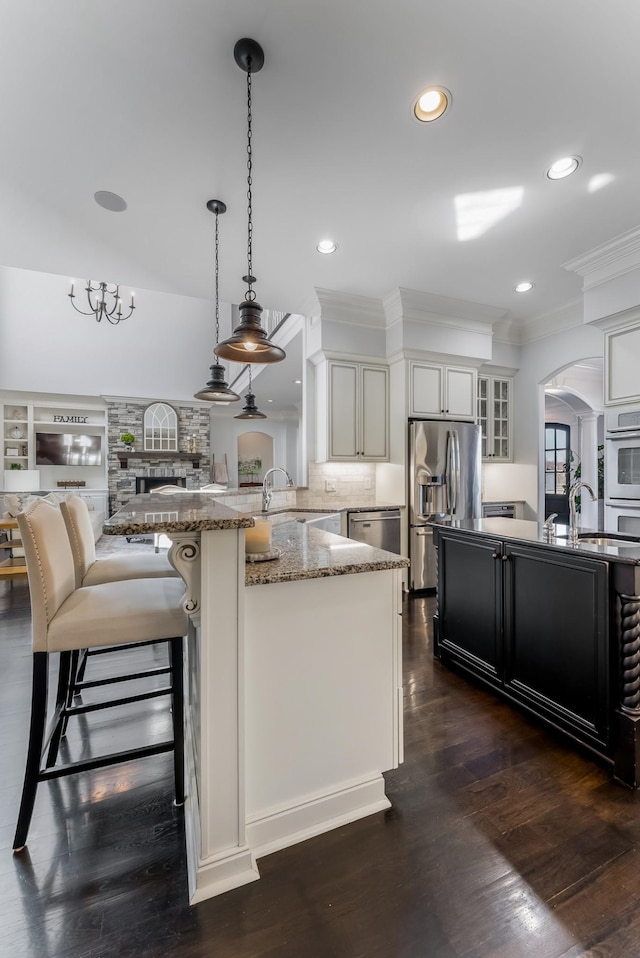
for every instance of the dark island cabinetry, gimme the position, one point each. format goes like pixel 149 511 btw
pixel 534 624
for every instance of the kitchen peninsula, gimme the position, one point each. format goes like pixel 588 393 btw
pixel 294 682
pixel 550 626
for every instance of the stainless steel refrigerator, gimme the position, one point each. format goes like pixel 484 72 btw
pixel 444 480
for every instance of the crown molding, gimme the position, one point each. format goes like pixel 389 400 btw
pixel 608 261
pixel 349 308
pixel 417 306
pixel 569 316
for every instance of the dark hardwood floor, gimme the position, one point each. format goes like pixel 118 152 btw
pixel 503 841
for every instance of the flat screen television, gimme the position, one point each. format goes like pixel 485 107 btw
pixel 68 449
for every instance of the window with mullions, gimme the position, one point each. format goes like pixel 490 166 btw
pixel 557 458
pixel 160 427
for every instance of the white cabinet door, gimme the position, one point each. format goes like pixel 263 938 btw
pixel 374 413
pixel 495 417
pixel 460 393
pixel 358 412
pixel 447 392
pixel 343 410
pixel 621 378
pixel 427 390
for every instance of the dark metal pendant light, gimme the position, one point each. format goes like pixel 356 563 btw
pixel 217 389
pixel 250 410
pixel 249 343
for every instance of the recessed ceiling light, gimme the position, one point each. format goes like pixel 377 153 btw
pixel 563 167
pixel 327 246
pixel 297 382
pixel 269 400
pixel 523 287
pixel 431 104
pixel 110 201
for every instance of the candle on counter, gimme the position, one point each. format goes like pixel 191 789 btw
pixel 258 537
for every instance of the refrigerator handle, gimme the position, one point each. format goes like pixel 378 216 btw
pixel 456 446
pixel 453 471
pixel 449 473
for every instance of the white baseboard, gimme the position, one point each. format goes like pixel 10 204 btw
pixel 274 829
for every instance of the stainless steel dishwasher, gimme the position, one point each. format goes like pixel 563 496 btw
pixel 380 528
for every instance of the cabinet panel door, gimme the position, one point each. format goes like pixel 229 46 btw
pixel 460 393
pixel 426 390
pixel 343 411
pixel 501 418
pixel 556 638
pixel 621 349
pixel 374 413
pixel 470 603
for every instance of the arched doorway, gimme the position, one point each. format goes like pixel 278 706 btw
pixel 573 414
pixel 255 456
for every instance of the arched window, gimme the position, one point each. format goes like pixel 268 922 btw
pixel 160 428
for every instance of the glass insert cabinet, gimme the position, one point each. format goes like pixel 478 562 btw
pixel 494 417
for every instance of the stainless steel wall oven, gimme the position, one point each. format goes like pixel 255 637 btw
pixel 622 456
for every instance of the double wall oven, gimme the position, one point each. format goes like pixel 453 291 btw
pixel 622 471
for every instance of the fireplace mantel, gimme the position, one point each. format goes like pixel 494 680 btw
pixel 152 456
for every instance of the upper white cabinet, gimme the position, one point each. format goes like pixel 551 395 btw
pixel 495 417
pixel 442 392
pixel 621 365
pixel 353 412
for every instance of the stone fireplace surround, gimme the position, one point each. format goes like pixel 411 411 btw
pixel 126 416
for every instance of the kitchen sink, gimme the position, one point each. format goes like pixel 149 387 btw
pixel 610 541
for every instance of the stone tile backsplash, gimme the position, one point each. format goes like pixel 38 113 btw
pixel 336 485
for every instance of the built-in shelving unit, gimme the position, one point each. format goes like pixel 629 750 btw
pixel 15 435
pixel 32 426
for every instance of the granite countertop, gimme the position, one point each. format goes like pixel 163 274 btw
pixel 154 512
pixel 527 531
pixel 310 553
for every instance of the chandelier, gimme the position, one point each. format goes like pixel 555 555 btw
pixel 217 389
pixel 249 343
pixel 104 302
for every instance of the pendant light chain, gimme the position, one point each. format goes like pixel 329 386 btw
pixel 249 278
pixel 217 249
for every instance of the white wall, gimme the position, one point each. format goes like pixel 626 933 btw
pixel 163 351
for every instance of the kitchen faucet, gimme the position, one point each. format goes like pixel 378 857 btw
pixel 267 487
pixel 573 519
pixel 548 529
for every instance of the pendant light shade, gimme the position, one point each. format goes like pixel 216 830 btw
pixel 217 389
pixel 250 410
pixel 249 343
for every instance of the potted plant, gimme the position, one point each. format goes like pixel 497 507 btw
pixel 15 465
pixel 128 439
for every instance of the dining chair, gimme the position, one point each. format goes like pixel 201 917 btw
pixel 68 619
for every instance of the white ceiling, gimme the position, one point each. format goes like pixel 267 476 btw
pixel 143 98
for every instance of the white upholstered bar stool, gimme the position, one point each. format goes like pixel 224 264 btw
pixel 66 619
pixel 89 569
